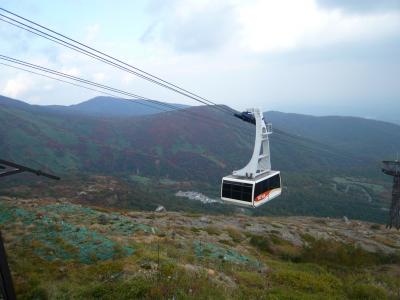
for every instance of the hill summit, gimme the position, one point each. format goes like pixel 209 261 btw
pixel 117 107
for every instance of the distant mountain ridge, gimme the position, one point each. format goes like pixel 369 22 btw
pixel 99 107
pixel 96 144
pixel 118 107
pixel 313 142
pixel 364 138
pixel 172 137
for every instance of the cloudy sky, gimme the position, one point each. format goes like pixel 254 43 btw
pixel 319 57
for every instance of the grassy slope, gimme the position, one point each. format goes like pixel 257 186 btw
pixel 237 258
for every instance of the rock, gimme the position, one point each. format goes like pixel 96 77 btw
pixel 291 237
pixel 102 219
pixel 227 280
pixel 160 208
pixel 263 270
pixel 192 268
pixel 211 272
pixel 205 220
pixel 243 211
pixel 346 220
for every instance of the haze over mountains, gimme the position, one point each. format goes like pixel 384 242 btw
pixel 317 155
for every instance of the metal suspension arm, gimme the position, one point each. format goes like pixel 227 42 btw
pixel 16 168
pixel 260 161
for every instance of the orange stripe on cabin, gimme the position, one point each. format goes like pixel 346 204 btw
pixel 264 195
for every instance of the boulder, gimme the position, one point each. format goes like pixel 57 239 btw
pixel 160 208
pixel 102 219
pixel 205 220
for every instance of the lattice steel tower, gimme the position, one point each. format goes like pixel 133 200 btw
pixel 392 168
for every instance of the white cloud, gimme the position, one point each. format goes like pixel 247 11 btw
pixel 192 26
pixel 273 26
pixel 127 78
pixel 263 25
pixel 17 86
pixel 99 77
pixel 274 54
pixel 73 71
pixel 92 31
pixel 48 87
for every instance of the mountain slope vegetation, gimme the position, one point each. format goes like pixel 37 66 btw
pixel 322 176
pixel 165 144
pixel 116 107
pixel 370 139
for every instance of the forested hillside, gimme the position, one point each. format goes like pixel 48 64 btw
pixel 328 170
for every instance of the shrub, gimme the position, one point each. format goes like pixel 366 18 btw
pixel 137 288
pixel 366 292
pixel 194 229
pixel 276 246
pixel 167 269
pixel 391 258
pixel 375 226
pixel 250 279
pixel 306 281
pixel 307 237
pixel 261 242
pixel 37 293
pixel 330 252
pixel 227 242
pixel 235 234
pixel 212 230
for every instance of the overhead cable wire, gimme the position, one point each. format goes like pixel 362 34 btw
pixel 37 67
pixel 73 47
pixel 118 91
pixel 135 96
pixel 154 79
pixel 77 85
pixel 47 70
pixel 105 93
pixel 106 55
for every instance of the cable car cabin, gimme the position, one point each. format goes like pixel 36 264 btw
pixel 256 183
pixel 251 192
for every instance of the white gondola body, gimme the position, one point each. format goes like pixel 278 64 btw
pixel 251 192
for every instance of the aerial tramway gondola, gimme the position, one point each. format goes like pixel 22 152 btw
pixel 256 183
